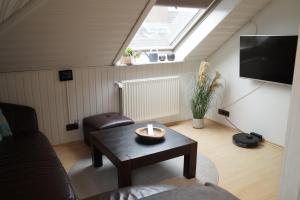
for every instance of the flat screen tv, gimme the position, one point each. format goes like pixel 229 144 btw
pixel 268 58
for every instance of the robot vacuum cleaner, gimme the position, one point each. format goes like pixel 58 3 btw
pixel 246 140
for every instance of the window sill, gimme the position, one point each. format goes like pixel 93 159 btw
pixel 149 63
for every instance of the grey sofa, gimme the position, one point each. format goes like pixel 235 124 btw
pixel 207 191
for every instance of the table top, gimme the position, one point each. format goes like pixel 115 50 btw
pixel 124 144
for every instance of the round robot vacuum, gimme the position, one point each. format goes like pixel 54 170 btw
pixel 246 140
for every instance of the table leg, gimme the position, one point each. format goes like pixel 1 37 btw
pixel 97 157
pixel 190 162
pixel 124 174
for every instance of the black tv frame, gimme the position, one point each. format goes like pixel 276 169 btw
pixel 264 80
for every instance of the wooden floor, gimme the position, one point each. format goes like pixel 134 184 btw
pixel 248 173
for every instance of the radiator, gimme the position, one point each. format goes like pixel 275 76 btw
pixel 148 99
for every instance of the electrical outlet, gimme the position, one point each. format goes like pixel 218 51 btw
pixel 224 112
pixel 73 126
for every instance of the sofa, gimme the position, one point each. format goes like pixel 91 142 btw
pixel 29 167
pixel 205 191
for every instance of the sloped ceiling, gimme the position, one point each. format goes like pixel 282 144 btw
pixel 10 7
pixel 240 16
pixel 82 33
pixel 69 33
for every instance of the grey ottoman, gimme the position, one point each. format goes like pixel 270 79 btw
pixel 103 121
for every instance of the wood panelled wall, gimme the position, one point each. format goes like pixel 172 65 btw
pixel 92 91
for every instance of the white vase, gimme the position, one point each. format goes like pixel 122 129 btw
pixel 198 123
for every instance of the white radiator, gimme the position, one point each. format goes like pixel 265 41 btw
pixel 152 98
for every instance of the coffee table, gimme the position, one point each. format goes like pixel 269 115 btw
pixel 127 152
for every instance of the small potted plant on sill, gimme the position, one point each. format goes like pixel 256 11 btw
pixel 129 56
pixel 203 94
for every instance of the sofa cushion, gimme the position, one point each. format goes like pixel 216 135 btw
pixel 21 119
pixel 30 169
pixel 4 127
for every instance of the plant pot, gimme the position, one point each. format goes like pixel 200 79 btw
pixel 198 123
pixel 127 60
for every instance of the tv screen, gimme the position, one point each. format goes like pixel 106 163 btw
pixel 268 58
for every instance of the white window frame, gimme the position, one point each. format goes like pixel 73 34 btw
pixel 186 30
pixel 180 35
pixel 179 40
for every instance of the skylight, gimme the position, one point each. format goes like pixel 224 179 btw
pixel 165 26
pixel 172 29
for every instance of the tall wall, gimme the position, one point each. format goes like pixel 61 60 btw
pixel 290 188
pixel 266 110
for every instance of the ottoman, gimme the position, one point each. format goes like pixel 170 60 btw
pixel 103 121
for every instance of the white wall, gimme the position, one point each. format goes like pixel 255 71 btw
pixel 290 181
pixel 92 91
pixel 266 110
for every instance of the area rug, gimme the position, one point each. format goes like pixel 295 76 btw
pixel 88 181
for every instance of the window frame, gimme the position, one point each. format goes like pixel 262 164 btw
pixel 185 32
pixel 209 10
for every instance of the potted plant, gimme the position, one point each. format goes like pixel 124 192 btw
pixel 203 94
pixel 129 55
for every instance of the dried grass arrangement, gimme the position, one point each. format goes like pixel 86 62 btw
pixel 204 91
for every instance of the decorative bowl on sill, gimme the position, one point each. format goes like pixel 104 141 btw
pixel 162 57
pixel 171 57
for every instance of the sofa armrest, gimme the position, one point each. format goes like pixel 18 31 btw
pixel 21 119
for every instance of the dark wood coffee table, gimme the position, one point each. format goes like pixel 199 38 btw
pixel 124 149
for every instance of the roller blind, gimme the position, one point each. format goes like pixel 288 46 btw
pixel 185 3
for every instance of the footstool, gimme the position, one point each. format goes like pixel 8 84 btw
pixel 103 121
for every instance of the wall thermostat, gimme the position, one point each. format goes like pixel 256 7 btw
pixel 65 75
